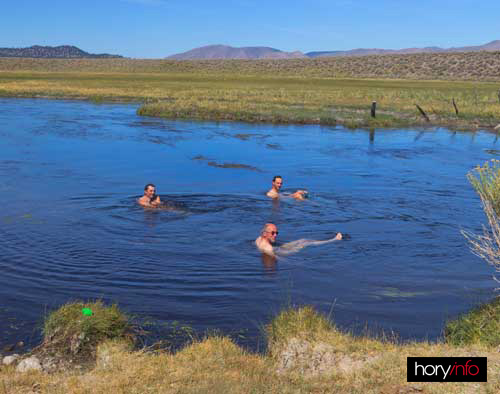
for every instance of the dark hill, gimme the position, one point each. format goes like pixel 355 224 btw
pixel 63 51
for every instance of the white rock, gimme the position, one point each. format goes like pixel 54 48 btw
pixel 497 127
pixel 312 359
pixel 29 364
pixel 7 360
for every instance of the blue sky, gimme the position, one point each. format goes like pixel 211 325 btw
pixel 158 28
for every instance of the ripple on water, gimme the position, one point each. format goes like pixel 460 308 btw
pixel 401 195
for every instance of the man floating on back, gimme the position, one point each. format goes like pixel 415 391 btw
pixel 268 236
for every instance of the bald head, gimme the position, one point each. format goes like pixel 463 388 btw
pixel 268 227
pixel 269 232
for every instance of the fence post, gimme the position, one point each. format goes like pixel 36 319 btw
pixel 455 105
pixel 374 108
pixel 423 113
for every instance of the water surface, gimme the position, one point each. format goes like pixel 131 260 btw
pixel 70 228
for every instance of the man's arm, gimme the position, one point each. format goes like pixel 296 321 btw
pixel 156 201
pixel 295 246
pixel 264 247
pixel 143 201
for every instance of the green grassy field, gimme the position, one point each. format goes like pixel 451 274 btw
pixel 315 91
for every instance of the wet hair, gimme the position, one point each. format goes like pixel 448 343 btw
pixel 276 177
pixel 149 184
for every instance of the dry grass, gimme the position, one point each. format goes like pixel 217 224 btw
pixel 217 365
pixel 486 181
pixel 473 66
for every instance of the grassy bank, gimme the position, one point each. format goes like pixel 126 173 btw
pixel 307 353
pixel 276 99
pixel 481 325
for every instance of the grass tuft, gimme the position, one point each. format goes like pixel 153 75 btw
pixel 479 326
pixel 486 182
pixel 298 322
pixel 69 333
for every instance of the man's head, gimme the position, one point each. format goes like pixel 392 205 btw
pixel 149 190
pixel 277 182
pixel 269 232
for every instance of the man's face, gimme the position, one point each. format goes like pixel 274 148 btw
pixel 277 183
pixel 271 233
pixel 150 191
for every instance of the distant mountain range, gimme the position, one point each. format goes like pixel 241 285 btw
pixel 228 52
pixel 491 46
pixel 63 51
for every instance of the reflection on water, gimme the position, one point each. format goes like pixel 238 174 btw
pixel 269 263
pixel 71 228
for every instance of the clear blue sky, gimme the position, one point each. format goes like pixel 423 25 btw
pixel 158 28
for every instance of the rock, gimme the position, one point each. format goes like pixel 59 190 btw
pixel 9 348
pixel 29 364
pixel 312 359
pixel 20 344
pixel 307 358
pixel 103 358
pixel 8 360
pixel 497 127
pixel 77 342
pixel 109 354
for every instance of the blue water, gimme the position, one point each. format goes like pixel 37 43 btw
pixel 70 229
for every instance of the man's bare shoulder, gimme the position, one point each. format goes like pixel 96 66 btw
pixel 143 201
pixel 264 246
pixel 272 194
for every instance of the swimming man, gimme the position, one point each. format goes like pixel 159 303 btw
pixel 268 237
pixel 276 186
pixel 150 199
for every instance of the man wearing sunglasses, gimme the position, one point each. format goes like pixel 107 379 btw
pixel 276 186
pixel 266 239
pixel 268 236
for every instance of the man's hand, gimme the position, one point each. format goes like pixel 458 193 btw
pixel 300 194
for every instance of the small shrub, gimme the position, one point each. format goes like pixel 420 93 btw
pixel 487 185
pixel 486 182
pixel 68 332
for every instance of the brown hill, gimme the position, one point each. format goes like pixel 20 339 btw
pixel 491 46
pixel 228 52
